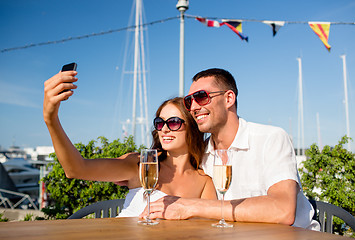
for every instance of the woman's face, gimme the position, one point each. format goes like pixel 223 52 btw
pixel 172 141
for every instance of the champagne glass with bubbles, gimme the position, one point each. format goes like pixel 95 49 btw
pixel 222 177
pixel 148 176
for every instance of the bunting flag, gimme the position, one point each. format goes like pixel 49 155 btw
pixel 322 30
pixel 236 27
pixel 275 25
pixel 209 23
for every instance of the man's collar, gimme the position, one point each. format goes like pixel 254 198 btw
pixel 241 140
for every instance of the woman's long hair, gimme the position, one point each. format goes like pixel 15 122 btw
pixel 194 138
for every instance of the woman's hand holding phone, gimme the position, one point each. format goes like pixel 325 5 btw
pixel 58 88
pixel 66 68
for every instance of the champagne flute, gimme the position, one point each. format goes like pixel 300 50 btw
pixel 148 176
pixel 222 176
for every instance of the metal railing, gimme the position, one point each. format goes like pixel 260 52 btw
pixel 8 204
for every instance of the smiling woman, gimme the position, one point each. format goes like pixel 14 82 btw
pixel 181 147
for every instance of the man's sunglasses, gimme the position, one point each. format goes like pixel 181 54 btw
pixel 201 97
pixel 173 123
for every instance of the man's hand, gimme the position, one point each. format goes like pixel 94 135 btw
pixel 169 207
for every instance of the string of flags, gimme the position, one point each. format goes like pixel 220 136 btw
pixel 321 29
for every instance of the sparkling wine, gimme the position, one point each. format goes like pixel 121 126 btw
pixel 148 175
pixel 222 176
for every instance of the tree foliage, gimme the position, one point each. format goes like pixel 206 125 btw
pixel 329 176
pixel 69 195
pixel 3 218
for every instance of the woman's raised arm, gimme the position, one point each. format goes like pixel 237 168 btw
pixel 120 169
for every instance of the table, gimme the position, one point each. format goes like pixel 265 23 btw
pixel 127 228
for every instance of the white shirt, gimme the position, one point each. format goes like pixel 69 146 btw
pixel 262 156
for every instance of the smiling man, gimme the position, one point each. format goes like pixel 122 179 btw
pixel 265 183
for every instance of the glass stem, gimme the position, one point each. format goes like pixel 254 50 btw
pixel 148 206
pixel 222 205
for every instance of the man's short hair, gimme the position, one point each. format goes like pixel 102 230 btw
pixel 223 79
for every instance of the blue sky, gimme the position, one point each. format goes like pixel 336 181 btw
pixel 265 68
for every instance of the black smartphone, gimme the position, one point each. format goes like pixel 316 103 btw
pixel 69 67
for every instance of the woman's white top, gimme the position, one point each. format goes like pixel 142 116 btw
pixel 136 202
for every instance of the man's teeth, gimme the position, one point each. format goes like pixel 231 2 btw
pixel 201 117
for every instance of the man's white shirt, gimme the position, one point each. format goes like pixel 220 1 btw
pixel 262 156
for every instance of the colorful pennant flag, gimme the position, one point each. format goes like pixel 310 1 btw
pixel 236 27
pixel 322 30
pixel 209 23
pixel 275 25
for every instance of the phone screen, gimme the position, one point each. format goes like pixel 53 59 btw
pixel 69 67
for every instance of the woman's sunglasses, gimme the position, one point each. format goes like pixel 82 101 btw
pixel 173 123
pixel 201 97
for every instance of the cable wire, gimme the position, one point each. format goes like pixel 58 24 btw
pixel 85 36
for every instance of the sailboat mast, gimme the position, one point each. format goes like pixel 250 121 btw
pixel 145 129
pixel 135 69
pixel 346 100
pixel 300 110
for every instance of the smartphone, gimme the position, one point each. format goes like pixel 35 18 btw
pixel 68 67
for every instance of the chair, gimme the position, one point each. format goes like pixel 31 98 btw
pixel 324 213
pixel 101 209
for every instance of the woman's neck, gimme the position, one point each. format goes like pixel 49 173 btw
pixel 180 162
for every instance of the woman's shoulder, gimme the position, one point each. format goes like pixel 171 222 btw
pixel 208 191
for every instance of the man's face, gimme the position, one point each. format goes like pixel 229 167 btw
pixel 211 117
